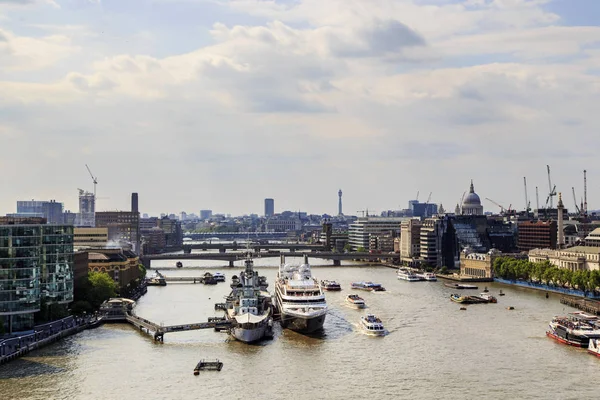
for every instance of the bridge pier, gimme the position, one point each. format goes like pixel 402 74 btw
pixel 222 250
pixel 337 263
pixel 231 263
pixel 159 337
pixel 187 249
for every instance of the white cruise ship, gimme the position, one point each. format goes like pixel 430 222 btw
pixel 299 298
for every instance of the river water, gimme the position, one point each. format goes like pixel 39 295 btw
pixel 433 350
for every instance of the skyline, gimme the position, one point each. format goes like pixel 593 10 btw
pixel 218 105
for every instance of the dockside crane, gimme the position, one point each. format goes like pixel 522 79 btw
pixel 94 179
pixel 552 189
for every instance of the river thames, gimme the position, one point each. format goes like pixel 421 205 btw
pixel 432 351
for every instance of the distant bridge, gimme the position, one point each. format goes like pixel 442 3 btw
pixel 236 235
pixel 232 257
pixel 256 247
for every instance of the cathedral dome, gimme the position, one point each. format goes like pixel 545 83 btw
pixel 472 198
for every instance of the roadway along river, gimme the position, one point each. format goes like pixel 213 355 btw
pixel 433 350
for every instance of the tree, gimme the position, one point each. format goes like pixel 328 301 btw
pixel 102 288
pixel 361 250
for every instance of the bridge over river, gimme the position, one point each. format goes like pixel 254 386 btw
pixel 337 258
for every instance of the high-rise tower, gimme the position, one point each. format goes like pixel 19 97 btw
pixel 340 203
pixel 269 207
pixel 560 242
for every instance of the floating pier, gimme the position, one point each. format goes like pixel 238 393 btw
pixel 204 365
pixel 587 305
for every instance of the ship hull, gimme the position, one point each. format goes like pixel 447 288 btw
pixel 302 325
pixel 249 335
pixel 564 340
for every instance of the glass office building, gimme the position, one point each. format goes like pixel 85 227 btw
pixel 36 262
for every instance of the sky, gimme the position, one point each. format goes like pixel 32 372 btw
pixel 218 104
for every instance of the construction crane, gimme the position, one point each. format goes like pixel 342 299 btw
pixel 502 209
pixel 584 193
pixel 551 188
pixel 94 179
pixel 526 199
pixel 429 198
pixel 575 201
pixel 417 198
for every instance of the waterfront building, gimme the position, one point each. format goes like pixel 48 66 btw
pixel 472 203
pixel 36 268
pixel 359 232
pixel 381 242
pixel 89 237
pixel 269 208
pixel 477 265
pixel 578 258
pixel 153 240
pixel 51 210
pixel 283 224
pixel 410 240
pixel 537 235
pixel 121 265
pixel 87 209
pixel 423 210
pixel 438 243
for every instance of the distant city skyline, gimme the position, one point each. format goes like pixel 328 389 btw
pixel 219 105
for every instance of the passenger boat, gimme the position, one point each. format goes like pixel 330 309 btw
pixel 219 277
pixel 368 286
pixel 330 285
pixel 372 325
pixel 594 347
pixel 299 298
pixel 576 329
pixel 355 301
pixel 157 279
pixel 407 275
pixel 488 297
pixel 209 279
pixel 427 276
pixel 460 286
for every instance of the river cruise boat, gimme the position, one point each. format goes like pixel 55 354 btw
pixel 330 286
pixel 219 277
pixel 372 325
pixel 407 275
pixel 355 301
pixel 248 307
pixel 427 276
pixel 576 329
pixel 367 286
pixel 299 298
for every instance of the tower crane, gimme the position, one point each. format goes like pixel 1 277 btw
pixel 551 188
pixel 575 201
pixel 417 198
pixel 94 179
pixel 429 198
pixel 502 209
pixel 526 199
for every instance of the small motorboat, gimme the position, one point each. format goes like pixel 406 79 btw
pixel 330 285
pixel 355 301
pixel 488 297
pixel 209 279
pixel 219 277
pixel 179 264
pixel 372 325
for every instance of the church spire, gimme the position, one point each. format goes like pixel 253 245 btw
pixel 472 188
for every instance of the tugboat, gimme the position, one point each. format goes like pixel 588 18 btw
pixel 249 307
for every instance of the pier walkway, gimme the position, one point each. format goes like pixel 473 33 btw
pixel 159 331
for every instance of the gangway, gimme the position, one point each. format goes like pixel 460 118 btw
pixel 158 331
